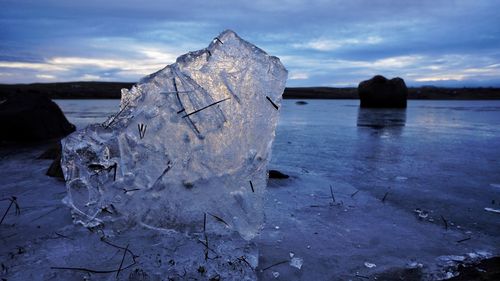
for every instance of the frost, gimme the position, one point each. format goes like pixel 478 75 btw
pixel 188 148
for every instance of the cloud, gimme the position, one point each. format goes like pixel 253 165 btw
pixel 322 43
pixel 46 76
pixel 298 76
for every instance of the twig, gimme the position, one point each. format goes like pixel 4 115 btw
pixel 116 115
pixel 273 265
pixel 219 219
pixel 130 190
pixel 463 240
pixel 242 258
pixel 217 39
pixel 114 166
pixel 63 236
pixel 362 276
pixel 92 270
pixel 182 105
pixel 251 186
pixel 269 99
pixel 331 192
pixel 356 192
pixel 445 223
pixel 13 201
pixel 207 247
pixel 205 235
pixel 121 268
pixel 205 107
pixel 49 212
pixel 121 263
pixel 385 196
pixel 119 247
pixel 142 130
pixel 169 166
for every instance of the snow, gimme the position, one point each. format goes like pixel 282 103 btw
pixel 190 142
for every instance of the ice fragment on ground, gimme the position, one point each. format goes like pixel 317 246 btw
pixel 492 210
pixel 276 274
pixel 296 262
pixel 414 264
pixel 370 265
pixel 452 258
pixel 188 148
pixel 495 185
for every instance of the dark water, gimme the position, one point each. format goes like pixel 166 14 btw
pixel 442 156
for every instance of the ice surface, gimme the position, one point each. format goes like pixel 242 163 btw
pixel 188 148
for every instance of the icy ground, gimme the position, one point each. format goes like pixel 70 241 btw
pixel 393 189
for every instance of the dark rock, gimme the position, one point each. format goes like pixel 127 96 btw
pixel 301 102
pixel 383 93
pixel 274 174
pixel 31 118
pixel 55 169
pixel 52 152
pixel 488 269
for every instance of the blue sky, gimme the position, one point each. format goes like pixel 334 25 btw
pixel 322 43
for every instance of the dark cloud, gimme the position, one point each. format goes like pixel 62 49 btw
pixel 325 42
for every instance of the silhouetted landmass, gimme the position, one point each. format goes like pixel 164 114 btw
pixel 111 90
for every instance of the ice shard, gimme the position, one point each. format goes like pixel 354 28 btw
pixel 188 148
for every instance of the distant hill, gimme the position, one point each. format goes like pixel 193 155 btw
pixel 111 90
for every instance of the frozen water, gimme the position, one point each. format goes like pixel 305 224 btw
pixel 188 148
pixel 370 265
pixel 436 137
pixel 296 262
pixel 488 209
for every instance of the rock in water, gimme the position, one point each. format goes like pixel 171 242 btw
pixel 188 148
pixel 379 92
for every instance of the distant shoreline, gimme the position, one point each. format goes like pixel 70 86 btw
pixel 111 90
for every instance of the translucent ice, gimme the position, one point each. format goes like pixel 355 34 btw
pixel 188 148
pixel 296 262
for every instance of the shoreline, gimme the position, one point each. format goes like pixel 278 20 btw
pixel 112 90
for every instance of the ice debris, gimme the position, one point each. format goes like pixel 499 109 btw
pixel 491 210
pixel 370 265
pixel 296 262
pixel 188 148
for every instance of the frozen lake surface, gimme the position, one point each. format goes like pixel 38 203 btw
pixel 408 191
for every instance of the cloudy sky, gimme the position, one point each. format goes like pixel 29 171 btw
pixel 322 43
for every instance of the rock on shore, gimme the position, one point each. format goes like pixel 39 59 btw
pixel 31 118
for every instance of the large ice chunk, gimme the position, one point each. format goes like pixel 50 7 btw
pixel 188 148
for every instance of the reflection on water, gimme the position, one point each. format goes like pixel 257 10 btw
pixel 379 118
